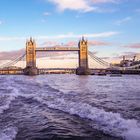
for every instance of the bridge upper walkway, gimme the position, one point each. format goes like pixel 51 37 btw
pixel 58 49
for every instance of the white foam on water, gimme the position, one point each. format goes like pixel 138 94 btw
pixel 109 122
pixel 10 97
pixel 8 133
pixel 5 107
pixel 132 134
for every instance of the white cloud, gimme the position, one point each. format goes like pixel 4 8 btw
pixel 12 38
pixel 104 1
pixel 71 35
pixel 63 36
pixel 1 22
pixel 80 5
pixel 46 14
pixel 124 20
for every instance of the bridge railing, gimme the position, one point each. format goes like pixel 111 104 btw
pixel 58 49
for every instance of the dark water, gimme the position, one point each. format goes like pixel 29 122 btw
pixel 69 107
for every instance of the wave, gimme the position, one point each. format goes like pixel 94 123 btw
pixel 8 133
pixel 9 97
pixel 109 122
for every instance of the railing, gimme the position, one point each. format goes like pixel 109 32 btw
pixel 58 49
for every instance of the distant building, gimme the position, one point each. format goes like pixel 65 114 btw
pixel 127 63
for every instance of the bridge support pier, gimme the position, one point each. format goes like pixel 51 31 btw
pixel 83 68
pixel 31 71
pixel 82 71
pixel 31 68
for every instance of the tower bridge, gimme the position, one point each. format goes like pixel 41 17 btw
pixel 31 50
pixel 83 58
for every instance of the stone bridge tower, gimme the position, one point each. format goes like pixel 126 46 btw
pixel 31 68
pixel 83 58
pixel 30 53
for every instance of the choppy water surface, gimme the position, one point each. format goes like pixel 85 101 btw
pixel 69 107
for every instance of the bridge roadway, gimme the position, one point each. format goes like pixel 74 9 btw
pixel 20 71
pixel 58 49
pixel 11 71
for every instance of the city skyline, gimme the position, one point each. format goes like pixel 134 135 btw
pixel 109 25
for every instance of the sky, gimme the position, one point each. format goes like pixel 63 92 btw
pixel 110 26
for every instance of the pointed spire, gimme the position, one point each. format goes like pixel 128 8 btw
pixel 26 42
pixel 31 39
pixel 83 39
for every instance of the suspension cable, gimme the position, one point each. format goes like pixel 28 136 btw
pixel 13 62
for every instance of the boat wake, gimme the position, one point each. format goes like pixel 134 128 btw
pixel 109 122
pixel 8 133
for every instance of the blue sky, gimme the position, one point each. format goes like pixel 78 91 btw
pixel 111 26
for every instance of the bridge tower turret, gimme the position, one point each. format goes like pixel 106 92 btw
pixel 30 53
pixel 31 68
pixel 83 68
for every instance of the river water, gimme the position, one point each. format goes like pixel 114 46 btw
pixel 69 107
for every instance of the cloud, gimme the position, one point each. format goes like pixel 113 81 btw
pixel 12 38
pixel 75 43
pixel 129 55
pixel 1 22
pixel 49 43
pixel 71 35
pixel 133 46
pixel 80 5
pixel 98 43
pixel 124 20
pixel 11 54
pixel 46 14
pixel 104 1
pixel 63 36
pixel 71 44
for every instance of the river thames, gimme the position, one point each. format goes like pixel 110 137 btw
pixel 70 107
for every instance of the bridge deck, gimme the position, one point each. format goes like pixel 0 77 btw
pixel 11 71
pixel 64 70
pixel 58 49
